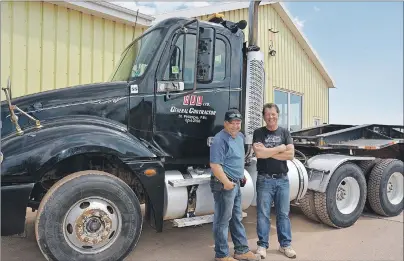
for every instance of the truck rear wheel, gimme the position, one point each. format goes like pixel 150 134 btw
pixel 367 166
pixel 385 187
pixel 308 207
pixel 88 215
pixel 343 202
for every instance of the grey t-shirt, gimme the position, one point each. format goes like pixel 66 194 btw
pixel 229 152
pixel 272 139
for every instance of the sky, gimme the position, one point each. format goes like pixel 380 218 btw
pixel 360 44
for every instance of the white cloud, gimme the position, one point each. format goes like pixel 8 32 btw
pixel 299 23
pixel 316 9
pixel 200 4
pixel 153 8
pixel 134 6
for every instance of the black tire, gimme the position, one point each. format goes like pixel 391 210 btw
pixel 326 203
pixel 367 166
pixel 308 207
pixel 49 228
pixel 377 187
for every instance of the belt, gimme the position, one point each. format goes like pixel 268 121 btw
pixel 273 176
pixel 212 177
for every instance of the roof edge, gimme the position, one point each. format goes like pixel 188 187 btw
pixel 207 10
pixel 282 12
pixel 304 42
pixel 107 10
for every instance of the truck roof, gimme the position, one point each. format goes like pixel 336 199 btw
pixel 173 20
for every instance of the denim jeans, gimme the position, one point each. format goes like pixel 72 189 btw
pixel 228 214
pixel 277 190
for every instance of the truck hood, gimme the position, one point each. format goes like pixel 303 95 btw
pixel 76 100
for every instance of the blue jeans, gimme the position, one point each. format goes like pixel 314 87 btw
pixel 277 190
pixel 228 214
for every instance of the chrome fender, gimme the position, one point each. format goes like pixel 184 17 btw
pixel 322 167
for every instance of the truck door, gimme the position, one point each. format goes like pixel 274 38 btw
pixel 185 119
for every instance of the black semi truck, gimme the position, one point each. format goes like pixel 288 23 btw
pixel 87 157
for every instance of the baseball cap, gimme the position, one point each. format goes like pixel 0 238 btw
pixel 232 114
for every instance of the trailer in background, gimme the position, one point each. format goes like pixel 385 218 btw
pixel 349 168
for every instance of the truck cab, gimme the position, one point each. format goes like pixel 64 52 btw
pixel 181 84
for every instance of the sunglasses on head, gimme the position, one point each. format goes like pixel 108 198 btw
pixel 235 115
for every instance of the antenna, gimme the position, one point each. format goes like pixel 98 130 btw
pixel 134 29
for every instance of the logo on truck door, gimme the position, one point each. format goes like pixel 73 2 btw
pixel 193 100
pixel 193 114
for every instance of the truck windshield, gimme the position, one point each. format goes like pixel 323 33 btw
pixel 137 56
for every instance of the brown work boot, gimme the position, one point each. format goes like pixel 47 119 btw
pixel 227 258
pixel 249 256
pixel 288 251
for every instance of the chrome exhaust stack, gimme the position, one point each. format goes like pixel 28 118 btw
pixel 255 78
pixel 253 23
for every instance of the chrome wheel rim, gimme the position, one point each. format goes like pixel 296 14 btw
pixel 92 225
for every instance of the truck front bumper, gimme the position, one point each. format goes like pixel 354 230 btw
pixel 14 201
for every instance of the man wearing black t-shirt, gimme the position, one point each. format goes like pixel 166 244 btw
pixel 273 146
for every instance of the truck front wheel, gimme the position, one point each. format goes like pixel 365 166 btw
pixel 88 215
pixel 343 202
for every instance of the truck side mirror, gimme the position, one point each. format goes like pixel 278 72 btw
pixel 206 55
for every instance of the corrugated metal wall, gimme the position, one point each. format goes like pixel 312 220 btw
pixel 291 69
pixel 45 46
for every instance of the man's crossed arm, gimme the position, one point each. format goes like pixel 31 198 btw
pixel 280 152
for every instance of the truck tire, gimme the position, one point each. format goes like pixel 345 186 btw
pixel 88 215
pixel 343 202
pixel 367 166
pixel 385 187
pixel 308 207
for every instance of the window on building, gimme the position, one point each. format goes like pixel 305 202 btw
pixel 290 107
pixel 317 121
pixel 281 99
pixel 175 66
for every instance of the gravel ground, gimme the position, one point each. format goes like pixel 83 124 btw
pixel 371 238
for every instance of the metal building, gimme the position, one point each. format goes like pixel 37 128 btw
pixel 296 78
pixel 47 45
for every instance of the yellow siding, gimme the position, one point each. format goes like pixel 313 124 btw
pixel 291 69
pixel 45 46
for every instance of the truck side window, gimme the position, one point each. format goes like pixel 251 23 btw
pixel 219 71
pixel 175 65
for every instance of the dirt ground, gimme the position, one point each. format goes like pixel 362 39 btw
pixel 371 238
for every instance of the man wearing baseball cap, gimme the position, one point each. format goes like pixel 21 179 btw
pixel 227 164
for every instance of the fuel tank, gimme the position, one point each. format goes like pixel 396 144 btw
pixel 176 198
pixel 298 179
